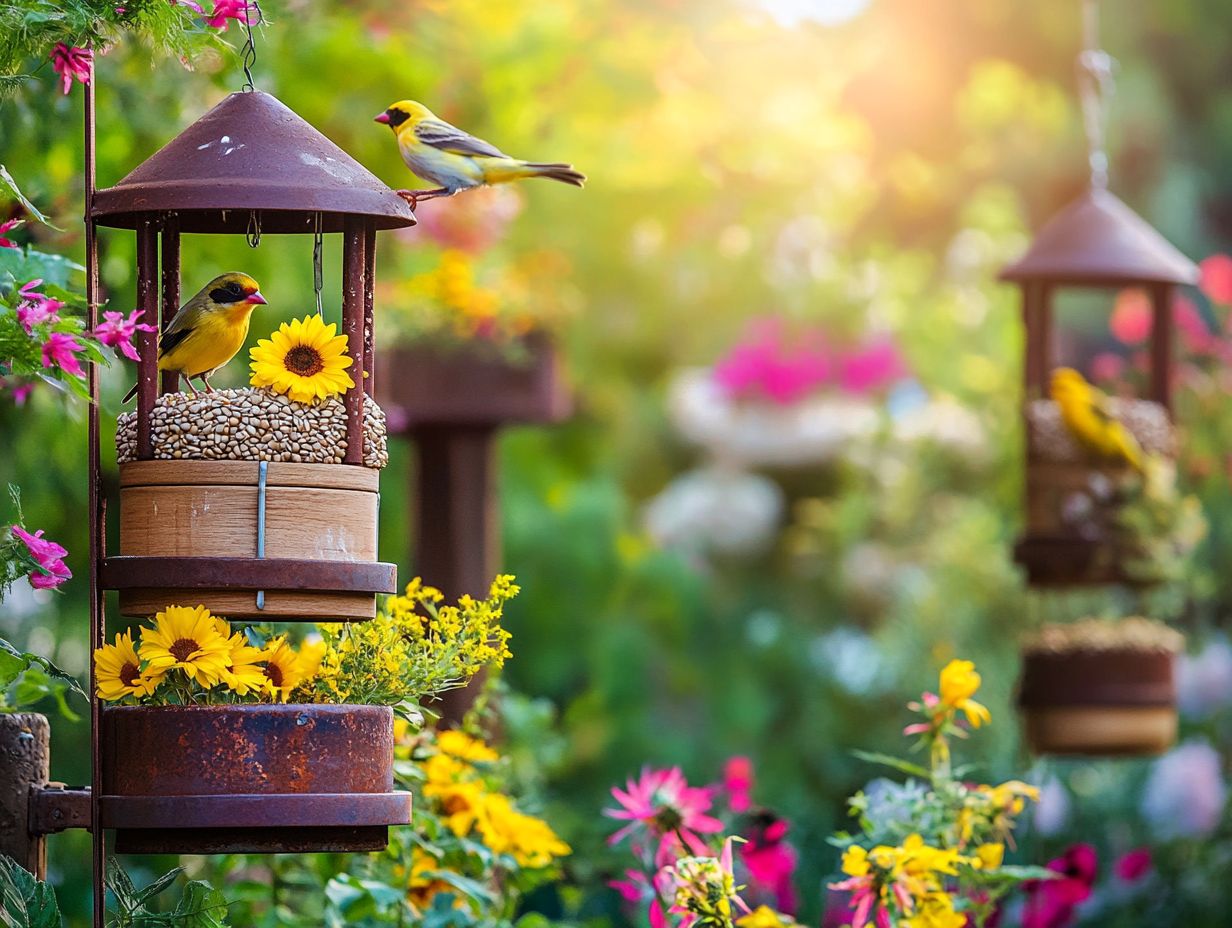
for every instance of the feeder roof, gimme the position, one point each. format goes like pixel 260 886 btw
pixel 251 152
pixel 1099 241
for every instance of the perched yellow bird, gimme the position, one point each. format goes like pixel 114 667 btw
pixel 445 155
pixel 1085 412
pixel 209 329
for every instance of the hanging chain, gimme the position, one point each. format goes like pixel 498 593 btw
pixel 254 228
pixel 318 276
pixel 252 11
pixel 1095 89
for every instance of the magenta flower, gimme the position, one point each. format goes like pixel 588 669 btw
pixel 22 392
pixel 636 890
pixel 661 804
pixel 1053 903
pixel 871 368
pixel 1216 281
pixel 1133 866
pixel 9 227
pixel 773 365
pixel 228 9
pixel 738 783
pixel 117 331
pixel 1107 366
pixel 1131 317
pixel 72 64
pixel 49 556
pixel 36 308
pixel 771 862
pixel 60 351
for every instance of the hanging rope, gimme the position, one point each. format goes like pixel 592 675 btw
pixel 1095 89
pixel 318 275
pixel 249 53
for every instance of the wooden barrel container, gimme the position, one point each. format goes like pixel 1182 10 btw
pixel 249 778
pixel 276 541
pixel 1099 703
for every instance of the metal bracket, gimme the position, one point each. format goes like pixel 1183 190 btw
pixel 55 808
pixel 262 476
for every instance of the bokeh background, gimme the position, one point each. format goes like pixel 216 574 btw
pixel 859 168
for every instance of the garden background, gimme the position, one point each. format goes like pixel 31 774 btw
pixel 860 168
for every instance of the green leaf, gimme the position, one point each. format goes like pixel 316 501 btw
pixel 25 902
pixel 201 906
pixel 158 886
pixel 896 763
pixel 8 184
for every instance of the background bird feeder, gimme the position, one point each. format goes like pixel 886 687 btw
pixel 275 540
pixel 1099 243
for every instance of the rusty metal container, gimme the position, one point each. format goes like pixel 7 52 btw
pixel 249 779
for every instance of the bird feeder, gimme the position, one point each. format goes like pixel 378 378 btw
pixel 1096 243
pixel 278 540
pixel 259 539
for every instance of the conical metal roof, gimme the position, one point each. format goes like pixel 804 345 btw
pixel 251 152
pixel 1099 241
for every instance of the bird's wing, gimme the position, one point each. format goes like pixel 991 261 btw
pixel 1100 407
pixel 440 134
pixel 185 321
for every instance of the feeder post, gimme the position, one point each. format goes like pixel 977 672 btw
pixel 147 342
pixel 1037 320
pixel 1161 345
pixel 369 324
pixel 170 256
pixel 354 288
pixel 25 764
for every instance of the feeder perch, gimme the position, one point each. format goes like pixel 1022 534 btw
pixel 1096 243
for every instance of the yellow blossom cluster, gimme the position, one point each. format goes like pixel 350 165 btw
pixel 415 648
pixel 188 655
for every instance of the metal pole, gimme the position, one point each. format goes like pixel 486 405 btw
pixel 1161 345
pixel 170 256
pixel 25 752
pixel 353 305
pixel 147 342
pixel 369 325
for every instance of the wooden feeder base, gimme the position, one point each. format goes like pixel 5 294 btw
pixel 1100 730
pixel 250 778
pixel 1066 561
pixel 300 545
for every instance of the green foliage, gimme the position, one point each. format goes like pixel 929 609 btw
pixel 197 905
pixel 26 902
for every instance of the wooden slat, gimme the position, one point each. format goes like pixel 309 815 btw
pixel 244 474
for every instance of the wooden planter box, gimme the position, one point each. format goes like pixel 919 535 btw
pixel 303 546
pixel 249 779
pixel 471 386
pixel 1099 703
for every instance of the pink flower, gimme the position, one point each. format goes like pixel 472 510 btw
pixel 1216 281
pixel 1194 330
pixel 117 331
pixel 473 225
pixel 1131 317
pixel 22 392
pixel 871 368
pixel 738 783
pixel 9 227
pixel 663 805
pixel 72 64
pixel 1053 903
pixel 59 350
pixel 51 570
pixel 1133 866
pixel 771 862
pixel 636 890
pixel 772 364
pixel 228 9
pixel 36 308
pixel 1107 366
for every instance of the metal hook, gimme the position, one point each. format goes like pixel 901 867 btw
pixel 254 228
pixel 318 274
pixel 249 51
pixel 1095 90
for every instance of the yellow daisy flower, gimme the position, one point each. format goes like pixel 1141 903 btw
pixel 188 639
pixel 304 360
pixel 285 669
pixel 959 682
pixel 244 673
pixel 464 747
pixel 118 671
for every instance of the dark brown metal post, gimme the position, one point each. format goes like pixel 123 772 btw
pixel 147 342
pixel 97 513
pixel 458 522
pixel 1037 319
pixel 170 257
pixel 1161 345
pixel 369 324
pixel 353 287
pixel 25 751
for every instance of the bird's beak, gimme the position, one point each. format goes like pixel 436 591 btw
pixel 257 299
pixel 384 117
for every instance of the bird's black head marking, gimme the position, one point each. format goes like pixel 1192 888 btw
pixel 397 116
pixel 231 292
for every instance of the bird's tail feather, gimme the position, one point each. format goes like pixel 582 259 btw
pixel 498 171
pixel 557 171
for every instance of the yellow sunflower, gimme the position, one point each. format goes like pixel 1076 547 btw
pixel 304 359
pixel 186 638
pixel 118 671
pixel 244 673
pixel 464 747
pixel 285 669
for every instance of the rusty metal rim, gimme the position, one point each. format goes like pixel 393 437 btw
pixel 253 810
pixel 127 572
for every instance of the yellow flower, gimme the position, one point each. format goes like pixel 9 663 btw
pixel 765 917
pixel 461 803
pixel 187 639
pixel 989 856
pixel 304 360
pixel 244 673
pixel 935 910
pixel 118 671
pixel 1012 795
pixel 505 830
pixel 959 682
pixel 464 747
pixel 284 668
pixel 422 888
pixel 855 861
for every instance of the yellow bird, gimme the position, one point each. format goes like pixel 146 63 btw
pixel 209 329
pixel 445 155
pixel 1085 412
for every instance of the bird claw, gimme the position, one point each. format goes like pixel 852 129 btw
pixel 413 197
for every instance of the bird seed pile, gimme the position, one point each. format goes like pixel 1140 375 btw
pixel 251 424
pixel 1130 634
pixel 1147 421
